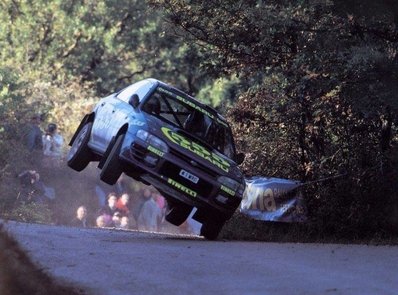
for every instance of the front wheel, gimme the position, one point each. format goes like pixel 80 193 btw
pixel 211 229
pixel 177 212
pixel 112 168
pixel 80 155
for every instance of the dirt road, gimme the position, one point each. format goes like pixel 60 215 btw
pixel 112 262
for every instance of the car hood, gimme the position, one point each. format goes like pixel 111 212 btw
pixel 193 148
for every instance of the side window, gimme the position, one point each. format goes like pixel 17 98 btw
pixel 140 88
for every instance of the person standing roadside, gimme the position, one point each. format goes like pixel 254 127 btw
pixel 81 217
pixel 52 145
pixel 52 141
pixel 150 215
pixel 111 212
pixel 33 134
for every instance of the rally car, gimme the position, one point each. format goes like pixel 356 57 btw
pixel 161 136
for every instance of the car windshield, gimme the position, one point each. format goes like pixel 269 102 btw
pixel 191 117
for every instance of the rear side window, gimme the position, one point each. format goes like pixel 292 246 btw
pixel 140 88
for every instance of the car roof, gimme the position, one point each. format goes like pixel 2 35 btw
pixel 195 100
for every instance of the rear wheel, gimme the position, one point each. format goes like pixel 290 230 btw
pixel 112 168
pixel 80 155
pixel 177 212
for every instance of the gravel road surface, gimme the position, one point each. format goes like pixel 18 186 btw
pixel 113 262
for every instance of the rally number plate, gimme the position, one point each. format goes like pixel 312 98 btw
pixel 189 176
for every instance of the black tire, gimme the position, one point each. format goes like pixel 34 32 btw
pixel 112 168
pixel 211 229
pixel 106 154
pixel 80 155
pixel 177 213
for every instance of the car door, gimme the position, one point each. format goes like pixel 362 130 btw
pixel 104 124
pixel 113 119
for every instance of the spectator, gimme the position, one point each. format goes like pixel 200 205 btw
pixel 33 134
pixel 139 201
pixel 103 221
pixel 110 211
pixel 161 203
pixel 121 185
pixel 81 217
pixel 33 189
pixel 150 215
pixel 52 145
pixel 101 192
pixel 123 203
pixel 124 222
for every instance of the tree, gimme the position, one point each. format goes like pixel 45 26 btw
pixel 322 100
pixel 108 43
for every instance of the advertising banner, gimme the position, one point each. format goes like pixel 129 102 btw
pixel 273 199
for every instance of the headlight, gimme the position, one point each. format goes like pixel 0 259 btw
pixel 158 143
pixel 142 134
pixel 241 189
pixel 152 140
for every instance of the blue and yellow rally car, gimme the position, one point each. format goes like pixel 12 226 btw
pixel 161 136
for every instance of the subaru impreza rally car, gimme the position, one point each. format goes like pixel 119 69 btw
pixel 161 136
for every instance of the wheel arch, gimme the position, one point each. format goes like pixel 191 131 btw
pixel 122 130
pixel 87 118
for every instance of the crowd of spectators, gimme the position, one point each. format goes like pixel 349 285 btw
pixel 141 212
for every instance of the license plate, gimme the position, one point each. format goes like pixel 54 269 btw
pixel 189 176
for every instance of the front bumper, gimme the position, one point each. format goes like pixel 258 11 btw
pixel 162 170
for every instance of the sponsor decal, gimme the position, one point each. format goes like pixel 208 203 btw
pixel 181 187
pixel 155 151
pixel 196 149
pixel 190 103
pixel 228 190
pixel 274 199
pixel 137 122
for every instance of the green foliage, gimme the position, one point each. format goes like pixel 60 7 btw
pixel 221 93
pixel 107 43
pixel 322 100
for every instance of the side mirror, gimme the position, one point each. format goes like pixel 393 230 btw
pixel 134 100
pixel 240 158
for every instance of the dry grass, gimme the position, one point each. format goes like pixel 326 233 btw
pixel 19 275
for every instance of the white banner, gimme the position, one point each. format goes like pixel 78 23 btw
pixel 273 199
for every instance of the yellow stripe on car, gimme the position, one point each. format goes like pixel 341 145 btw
pixel 196 149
